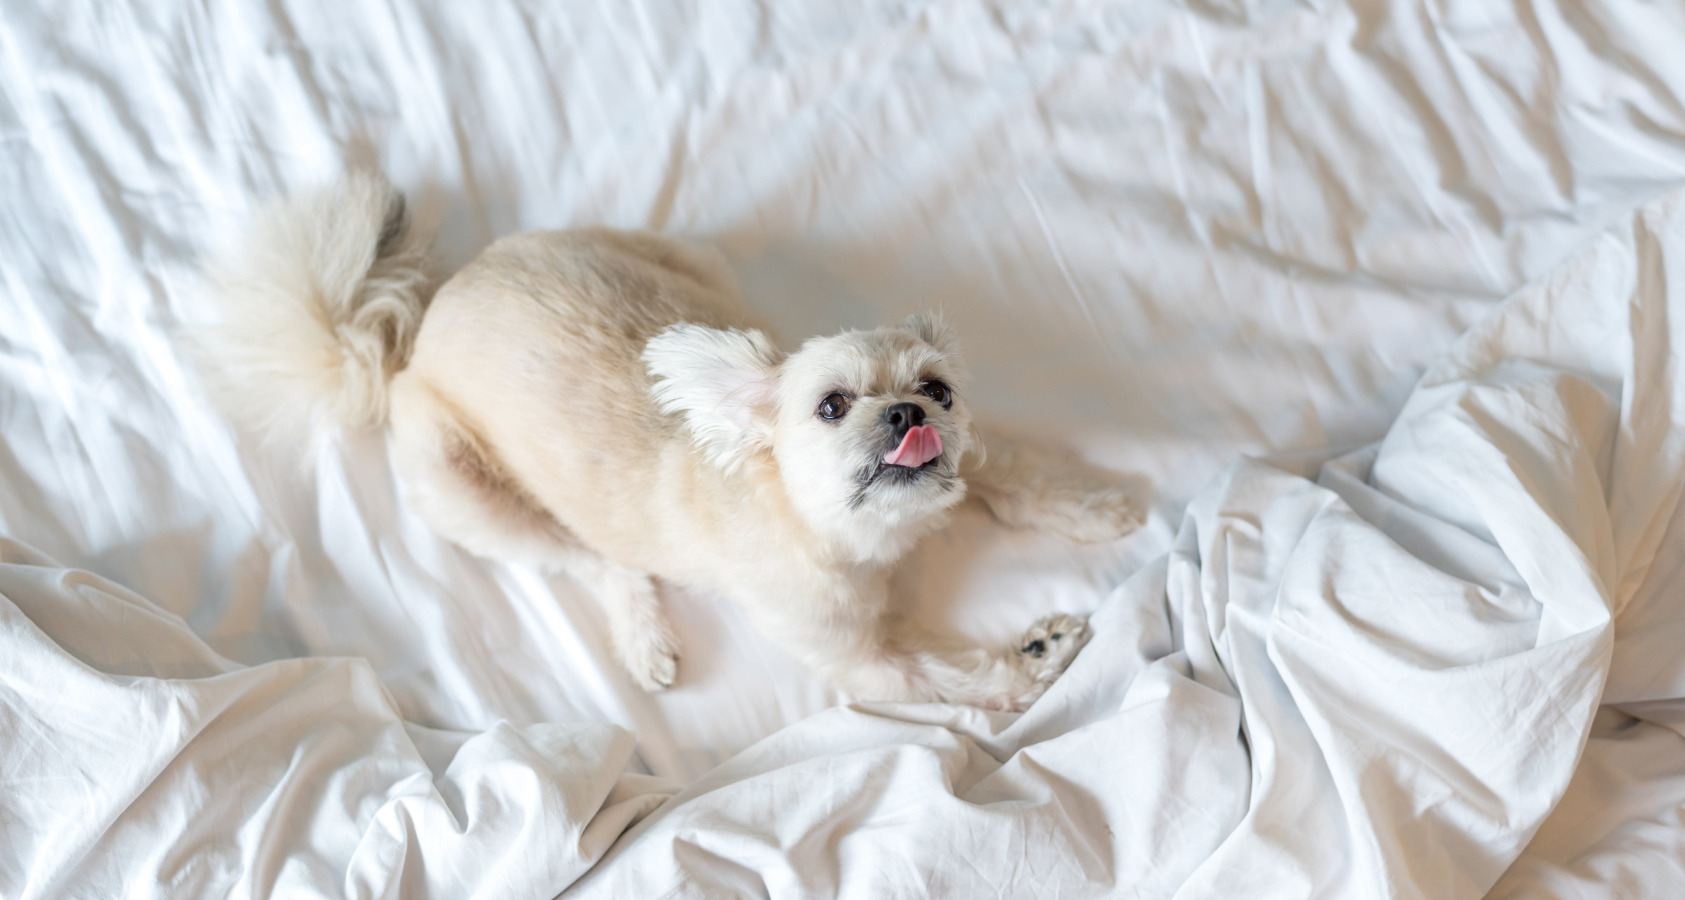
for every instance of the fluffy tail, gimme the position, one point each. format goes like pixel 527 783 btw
pixel 310 314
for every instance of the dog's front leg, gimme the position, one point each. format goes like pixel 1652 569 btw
pixel 898 660
pixel 1029 488
pixel 1010 678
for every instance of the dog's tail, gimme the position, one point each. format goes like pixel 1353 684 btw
pixel 308 316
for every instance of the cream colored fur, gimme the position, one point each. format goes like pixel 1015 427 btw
pixel 600 402
pixel 314 311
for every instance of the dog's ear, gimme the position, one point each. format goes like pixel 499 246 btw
pixel 933 329
pixel 721 382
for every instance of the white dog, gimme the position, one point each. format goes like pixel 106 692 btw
pixel 598 401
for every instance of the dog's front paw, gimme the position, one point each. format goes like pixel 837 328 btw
pixel 1045 651
pixel 1091 514
pixel 1049 645
pixel 652 660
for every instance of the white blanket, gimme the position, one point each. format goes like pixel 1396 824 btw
pixel 140 763
pixel 1377 683
pixel 1172 234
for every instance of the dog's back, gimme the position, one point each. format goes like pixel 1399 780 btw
pixel 516 392
pixel 528 372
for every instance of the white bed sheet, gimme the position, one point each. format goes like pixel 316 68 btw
pixel 138 762
pixel 1170 233
pixel 1374 684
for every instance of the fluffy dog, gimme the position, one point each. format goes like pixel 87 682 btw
pixel 599 402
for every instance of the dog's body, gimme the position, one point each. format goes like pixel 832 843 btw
pixel 598 401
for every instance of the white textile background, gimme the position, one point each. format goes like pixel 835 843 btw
pixel 1171 234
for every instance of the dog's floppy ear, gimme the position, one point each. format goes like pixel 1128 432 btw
pixel 721 382
pixel 933 329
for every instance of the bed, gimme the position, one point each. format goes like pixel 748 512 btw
pixel 1379 301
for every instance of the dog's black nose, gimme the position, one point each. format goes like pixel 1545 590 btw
pixel 904 417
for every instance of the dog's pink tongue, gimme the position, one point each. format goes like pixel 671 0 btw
pixel 921 445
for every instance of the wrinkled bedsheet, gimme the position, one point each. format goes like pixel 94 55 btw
pixel 1375 683
pixel 1423 642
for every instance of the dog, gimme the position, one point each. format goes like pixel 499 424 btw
pixel 600 402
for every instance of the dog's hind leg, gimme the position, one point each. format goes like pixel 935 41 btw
pixel 465 495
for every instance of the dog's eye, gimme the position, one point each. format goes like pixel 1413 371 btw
pixel 834 406
pixel 939 392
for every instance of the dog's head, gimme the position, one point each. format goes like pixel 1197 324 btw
pixel 866 428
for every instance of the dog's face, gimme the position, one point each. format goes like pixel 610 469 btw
pixel 867 428
pixel 847 403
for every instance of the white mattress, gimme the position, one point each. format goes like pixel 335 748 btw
pixel 1171 234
